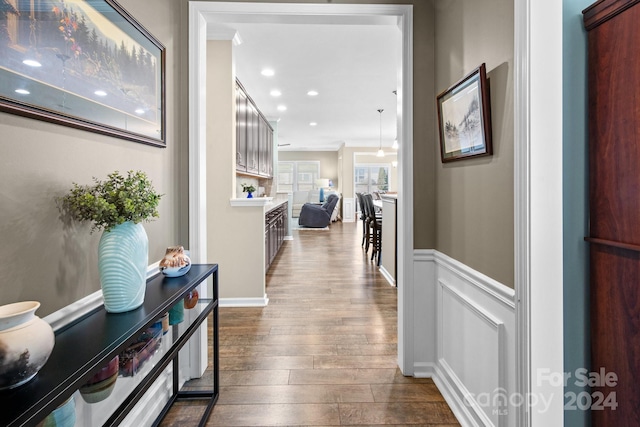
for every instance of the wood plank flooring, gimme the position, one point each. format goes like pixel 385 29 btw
pixel 323 352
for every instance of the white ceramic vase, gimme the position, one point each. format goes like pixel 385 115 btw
pixel 26 342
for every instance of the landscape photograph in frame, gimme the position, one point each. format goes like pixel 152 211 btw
pixel 464 118
pixel 82 63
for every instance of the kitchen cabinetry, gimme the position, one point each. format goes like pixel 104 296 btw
pixel 265 149
pixel 254 137
pixel 241 129
pixel 85 346
pixel 275 229
pixel 614 230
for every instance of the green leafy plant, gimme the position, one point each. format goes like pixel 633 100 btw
pixel 248 188
pixel 114 201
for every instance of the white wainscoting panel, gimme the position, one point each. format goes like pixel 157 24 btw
pixel 466 339
pixel 424 314
pixel 348 209
pixel 464 328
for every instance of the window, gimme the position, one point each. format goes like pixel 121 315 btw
pixel 285 177
pixel 297 176
pixel 370 177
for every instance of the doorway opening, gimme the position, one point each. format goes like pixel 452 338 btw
pixel 205 14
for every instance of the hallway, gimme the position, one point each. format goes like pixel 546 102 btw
pixel 323 352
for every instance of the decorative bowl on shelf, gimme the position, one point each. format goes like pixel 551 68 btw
pixel 100 386
pixel 175 262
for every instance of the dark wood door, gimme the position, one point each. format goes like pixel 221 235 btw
pixel 614 209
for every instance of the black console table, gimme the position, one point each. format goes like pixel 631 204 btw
pixel 85 346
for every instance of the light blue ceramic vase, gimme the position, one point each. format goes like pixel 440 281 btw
pixel 63 416
pixel 123 256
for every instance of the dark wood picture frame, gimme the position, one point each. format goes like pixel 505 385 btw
pixel 464 118
pixel 86 64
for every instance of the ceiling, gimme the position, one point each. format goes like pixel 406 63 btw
pixel 354 69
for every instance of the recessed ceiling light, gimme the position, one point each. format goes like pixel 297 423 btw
pixel 22 91
pixel 313 124
pixel 100 93
pixel 139 111
pixel 275 93
pixel 312 93
pixel 32 63
pixel 267 72
pixel 282 107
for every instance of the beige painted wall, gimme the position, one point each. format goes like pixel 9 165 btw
pixel 425 139
pixel 235 235
pixel 474 217
pixel 43 261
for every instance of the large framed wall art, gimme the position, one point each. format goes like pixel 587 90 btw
pixel 464 116
pixel 82 63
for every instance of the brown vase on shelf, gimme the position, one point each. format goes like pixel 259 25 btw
pixel 100 386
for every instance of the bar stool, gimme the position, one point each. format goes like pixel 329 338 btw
pixel 363 217
pixel 374 228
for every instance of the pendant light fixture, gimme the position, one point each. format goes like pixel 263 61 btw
pixel 380 151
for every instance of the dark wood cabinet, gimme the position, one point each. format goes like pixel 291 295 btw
pixel 269 172
pixel 262 148
pixel 253 140
pixel 275 230
pixel 614 206
pixel 241 129
pixel 254 137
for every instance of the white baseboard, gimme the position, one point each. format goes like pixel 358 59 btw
pixel 449 393
pixel 388 277
pixel 466 341
pixel 244 302
pixel 424 370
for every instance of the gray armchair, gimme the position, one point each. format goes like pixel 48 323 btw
pixel 318 216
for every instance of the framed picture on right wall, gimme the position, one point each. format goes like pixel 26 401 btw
pixel 464 118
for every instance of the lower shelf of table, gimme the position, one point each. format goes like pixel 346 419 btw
pixel 153 383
